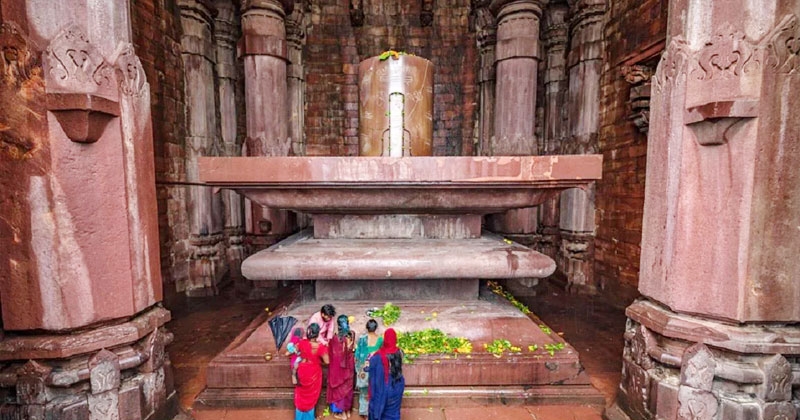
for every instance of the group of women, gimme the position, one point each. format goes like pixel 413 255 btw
pixel 373 364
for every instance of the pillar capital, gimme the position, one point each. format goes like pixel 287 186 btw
pixel 197 20
pixel 283 7
pixel 505 8
pixel 517 28
pixel 263 28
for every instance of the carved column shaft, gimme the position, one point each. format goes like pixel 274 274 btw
pixel 296 25
pixel 264 52
pixel 517 65
pixel 208 263
pixel 226 35
pixel 517 58
pixel 486 36
pixel 555 83
pixel 576 213
pixel 711 337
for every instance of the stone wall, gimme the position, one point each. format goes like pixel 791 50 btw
pixel 337 43
pixel 156 34
pixel 634 33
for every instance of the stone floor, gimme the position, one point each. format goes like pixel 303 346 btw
pixel 204 326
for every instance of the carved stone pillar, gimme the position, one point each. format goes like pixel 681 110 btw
pixel 716 334
pixel 576 221
pixel 226 34
pixel 208 262
pixel 79 263
pixel 483 23
pixel 555 83
pixel 264 52
pixel 296 25
pixel 516 61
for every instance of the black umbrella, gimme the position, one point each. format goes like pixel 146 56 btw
pixel 281 326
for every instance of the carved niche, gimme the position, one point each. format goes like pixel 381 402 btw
pixel 426 15
pixel 81 86
pixel 357 13
pixel 639 75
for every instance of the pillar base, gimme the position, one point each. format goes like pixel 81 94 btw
pixel 680 366
pixel 73 376
pixel 576 261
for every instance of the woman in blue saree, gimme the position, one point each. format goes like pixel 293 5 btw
pixel 386 382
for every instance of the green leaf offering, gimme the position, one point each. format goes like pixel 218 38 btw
pixel 389 313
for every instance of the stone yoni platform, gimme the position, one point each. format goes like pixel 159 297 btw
pixel 240 375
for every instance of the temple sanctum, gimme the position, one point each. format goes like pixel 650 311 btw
pixel 593 204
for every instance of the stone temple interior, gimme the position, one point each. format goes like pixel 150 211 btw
pixel 163 158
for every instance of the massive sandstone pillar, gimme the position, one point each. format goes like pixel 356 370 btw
pixel 264 52
pixel 80 277
pixel 717 335
pixel 207 262
pixel 555 85
pixel 517 62
pixel 585 62
pixel 226 34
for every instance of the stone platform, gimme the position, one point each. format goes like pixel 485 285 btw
pixel 302 257
pixel 240 375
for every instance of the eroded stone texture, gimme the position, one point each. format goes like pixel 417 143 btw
pixel 681 366
pixel 719 244
pixel 720 212
pixel 52 232
pixel 78 228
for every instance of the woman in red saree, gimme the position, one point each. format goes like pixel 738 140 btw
pixel 309 374
pixel 341 372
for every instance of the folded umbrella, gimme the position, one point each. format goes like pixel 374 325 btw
pixel 281 326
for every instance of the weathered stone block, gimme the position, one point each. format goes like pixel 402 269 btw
pixel 695 404
pixel 104 406
pixel 697 367
pixel 104 372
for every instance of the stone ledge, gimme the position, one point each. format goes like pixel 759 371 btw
pixel 59 346
pixel 747 338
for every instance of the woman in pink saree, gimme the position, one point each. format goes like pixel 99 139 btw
pixel 341 372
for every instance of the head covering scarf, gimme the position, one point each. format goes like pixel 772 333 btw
pixel 343 324
pixel 389 347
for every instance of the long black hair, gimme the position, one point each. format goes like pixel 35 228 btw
pixel 396 365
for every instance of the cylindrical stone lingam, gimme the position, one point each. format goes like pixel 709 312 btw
pixel 395 106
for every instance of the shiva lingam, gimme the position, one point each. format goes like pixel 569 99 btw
pixel 398 224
